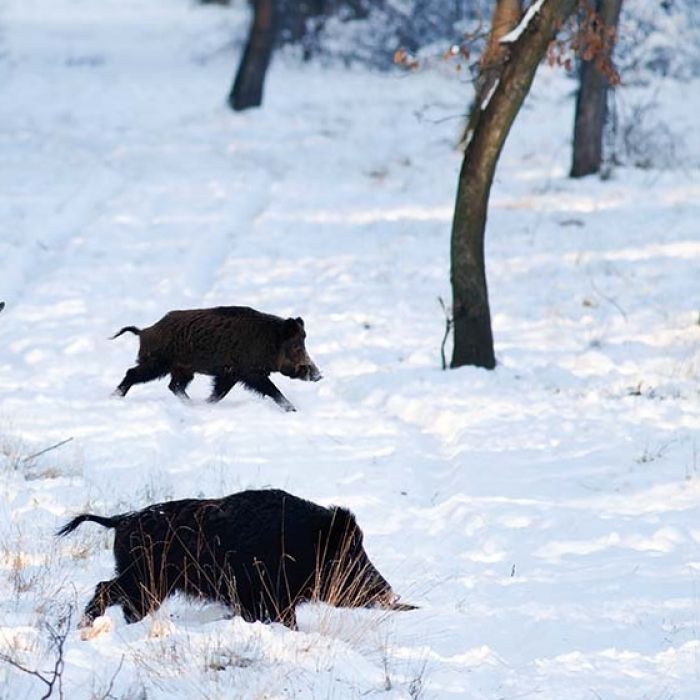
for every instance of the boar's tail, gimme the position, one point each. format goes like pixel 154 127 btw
pixel 131 329
pixel 105 522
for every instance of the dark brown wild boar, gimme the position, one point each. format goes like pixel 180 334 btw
pixel 259 552
pixel 229 343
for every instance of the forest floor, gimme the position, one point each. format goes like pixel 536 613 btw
pixel 544 516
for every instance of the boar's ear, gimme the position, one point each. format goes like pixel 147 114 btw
pixel 343 530
pixel 290 328
pixel 300 321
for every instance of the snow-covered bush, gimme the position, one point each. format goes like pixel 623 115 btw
pixel 655 38
pixel 659 38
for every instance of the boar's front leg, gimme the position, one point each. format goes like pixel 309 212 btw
pixel 262 385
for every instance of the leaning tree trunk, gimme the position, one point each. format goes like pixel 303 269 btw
pixel 473 338
pixel 591 103
pixel 506 15
pixel 247 88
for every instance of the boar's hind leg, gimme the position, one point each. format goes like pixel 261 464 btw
pixel 139 375
pixel 262 385
pixel 118 591
pixel 223 383
pixel 105 595
pixel 180 377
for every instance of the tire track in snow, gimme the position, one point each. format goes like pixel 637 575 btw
pixel 29 262
pixel 249 199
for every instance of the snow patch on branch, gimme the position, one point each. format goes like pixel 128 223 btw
pixel 514 34
pixel 489 95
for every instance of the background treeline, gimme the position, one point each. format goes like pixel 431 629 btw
pixel 658 37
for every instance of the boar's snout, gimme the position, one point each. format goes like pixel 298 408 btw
pixel 394 604
pixel 306 372
pixel 388 600
pixel 294 360
pixel 311 373
pixel 375 591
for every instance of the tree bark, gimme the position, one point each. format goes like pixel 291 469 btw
pixel 473 337
pixel 591 102
pixel 247 88
pixel 506 15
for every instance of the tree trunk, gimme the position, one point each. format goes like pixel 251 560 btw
pixel 473 338
pixel 591 103
pixel 247 88
pixel 506 15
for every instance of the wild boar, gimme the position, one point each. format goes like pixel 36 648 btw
pixel 229 343
pixel 261 552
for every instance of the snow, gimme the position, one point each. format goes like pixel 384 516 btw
pixel 489 94
pixel 544 515
pixel 516 32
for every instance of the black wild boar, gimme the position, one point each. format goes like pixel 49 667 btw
pixel 259 552
pixel 229 343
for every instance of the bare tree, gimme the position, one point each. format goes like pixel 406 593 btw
pixel 473 337
pixel 247 87
pixel 595 75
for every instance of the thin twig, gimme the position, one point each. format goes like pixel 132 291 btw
pixel 47 449
pixel 448 328
pixel 108 693
pixel 16 664
pixel 58 640
pixel 607 298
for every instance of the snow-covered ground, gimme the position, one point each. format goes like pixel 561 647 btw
pixel 545 516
